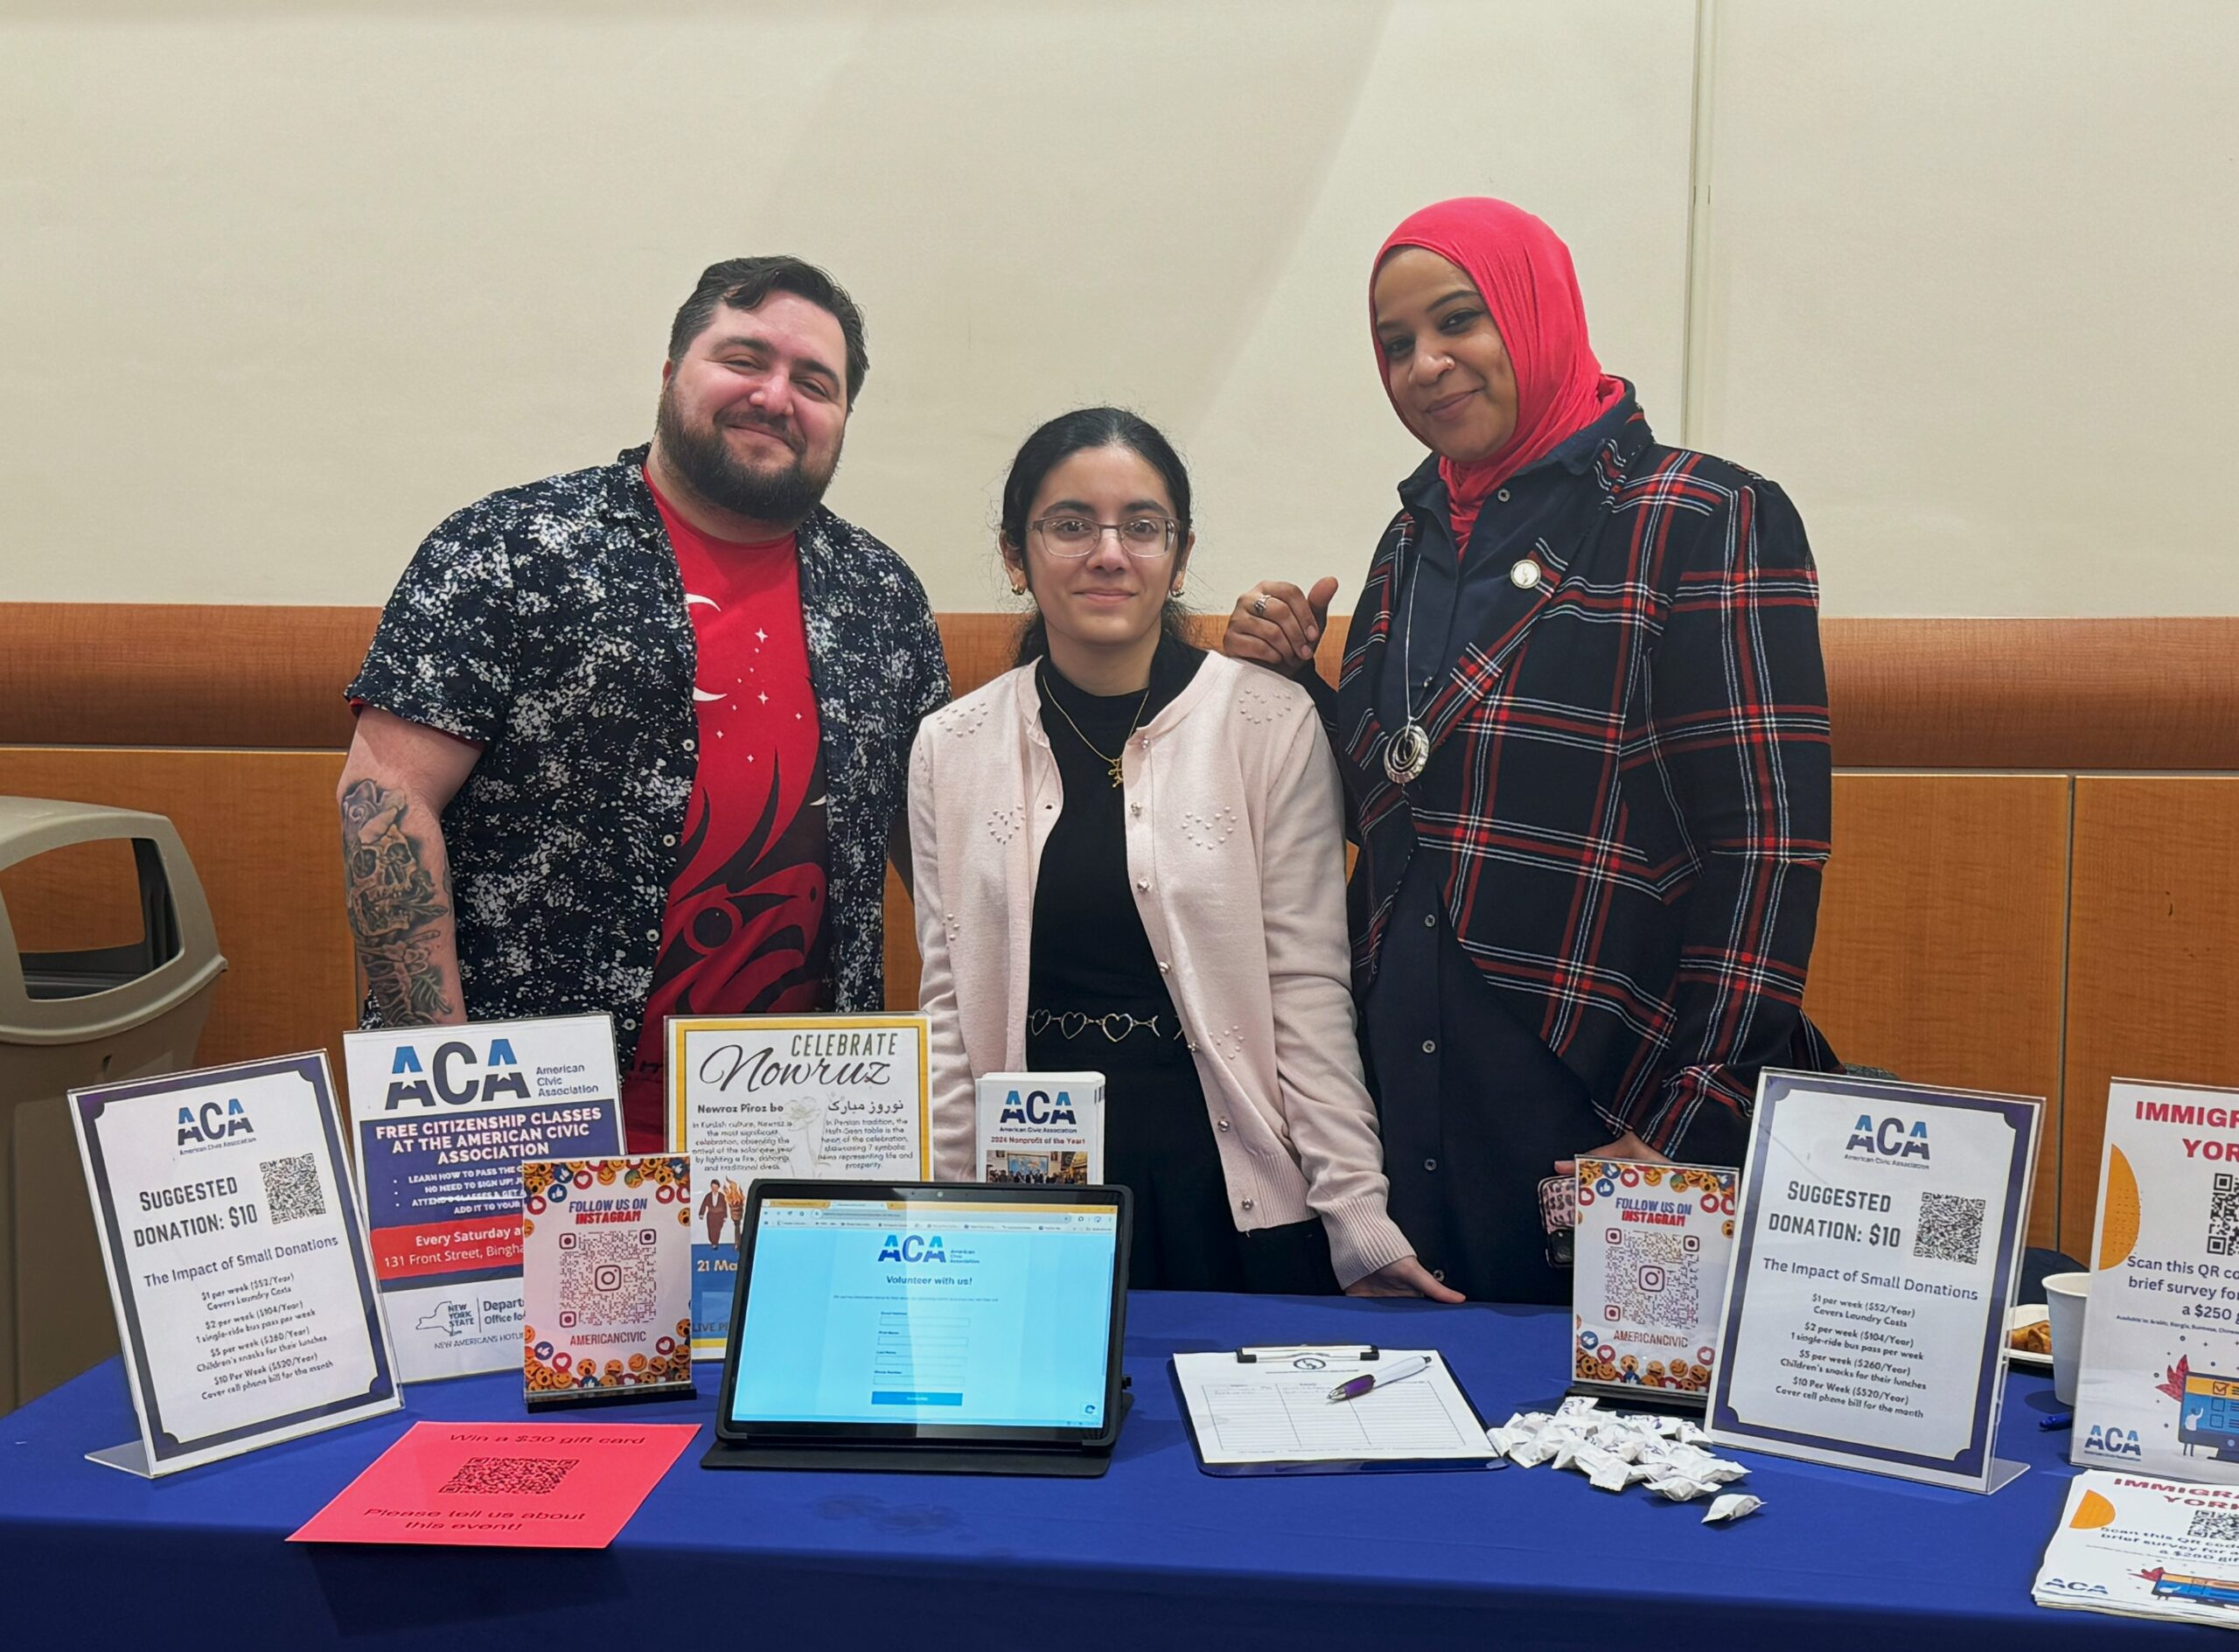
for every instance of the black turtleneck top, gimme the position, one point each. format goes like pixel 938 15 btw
pixel 1089 952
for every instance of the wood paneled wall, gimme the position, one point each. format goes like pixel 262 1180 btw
pixel 2153 954
pixel 1939 954
pixel 2036 932
pixel 2064 695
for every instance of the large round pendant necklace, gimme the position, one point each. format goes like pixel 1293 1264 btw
pixel 1407 753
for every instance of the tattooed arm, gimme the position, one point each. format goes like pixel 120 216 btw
pixel 396 875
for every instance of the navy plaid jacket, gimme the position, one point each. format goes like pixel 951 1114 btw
pixel 1628 796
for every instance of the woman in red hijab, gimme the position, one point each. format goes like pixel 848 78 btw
pixel 1583 725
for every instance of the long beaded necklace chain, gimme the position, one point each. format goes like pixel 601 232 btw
pixel 1407 753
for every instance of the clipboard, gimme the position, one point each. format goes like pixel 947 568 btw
pixel 1267 1410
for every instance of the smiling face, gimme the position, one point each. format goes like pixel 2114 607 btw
pixel 1448 373
pixel 753 414
pixel 1110 601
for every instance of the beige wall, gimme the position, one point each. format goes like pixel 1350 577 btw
pixel 286 283
pixel 1970 286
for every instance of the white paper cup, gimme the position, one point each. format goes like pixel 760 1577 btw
pixel 2066 1297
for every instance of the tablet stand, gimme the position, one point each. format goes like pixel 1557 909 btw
pixel 910 1457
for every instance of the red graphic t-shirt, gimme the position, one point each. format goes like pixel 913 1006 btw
pixel 744 932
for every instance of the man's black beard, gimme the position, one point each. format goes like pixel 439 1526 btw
pixel 703 459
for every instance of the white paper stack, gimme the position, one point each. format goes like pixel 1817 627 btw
pixel 2144 1548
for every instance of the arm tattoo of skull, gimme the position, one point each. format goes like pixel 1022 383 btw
pixel 394 905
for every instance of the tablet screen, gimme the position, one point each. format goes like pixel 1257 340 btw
pixel 947 1313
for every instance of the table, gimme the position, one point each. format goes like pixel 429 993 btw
pixel 1155 1556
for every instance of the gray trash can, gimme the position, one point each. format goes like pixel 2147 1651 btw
pixel 100 1015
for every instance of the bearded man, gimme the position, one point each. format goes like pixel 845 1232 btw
pixel 635 739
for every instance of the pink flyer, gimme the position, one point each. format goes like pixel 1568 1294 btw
pixel 503 1485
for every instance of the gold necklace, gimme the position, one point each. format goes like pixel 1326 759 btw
pixel 1110 763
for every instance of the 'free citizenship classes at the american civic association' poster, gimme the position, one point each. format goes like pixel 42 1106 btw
pixel 444 1117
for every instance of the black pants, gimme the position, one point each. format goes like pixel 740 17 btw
pixel 1476 1109
pixel 1158 1143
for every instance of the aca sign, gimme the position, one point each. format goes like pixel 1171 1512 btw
pixel 1037 1108
pixel 210 1122
pixel 1889 1138
pixel 451 1075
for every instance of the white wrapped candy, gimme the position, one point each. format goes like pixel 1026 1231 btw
pixel 1733 1506
pixel 1609 1472
pixel 1616 1449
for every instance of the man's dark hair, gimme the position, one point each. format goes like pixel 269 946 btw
pixel 746 284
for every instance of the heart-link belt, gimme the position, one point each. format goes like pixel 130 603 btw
pixel 1115 1025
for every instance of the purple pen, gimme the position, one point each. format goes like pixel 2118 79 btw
pixel 1353 1388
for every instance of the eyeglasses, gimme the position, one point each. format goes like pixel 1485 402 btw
pixel 1078 536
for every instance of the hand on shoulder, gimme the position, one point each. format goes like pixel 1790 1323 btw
pixel 1278 625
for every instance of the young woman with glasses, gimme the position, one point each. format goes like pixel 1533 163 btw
pixel 1128 861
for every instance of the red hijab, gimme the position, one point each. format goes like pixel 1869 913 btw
pixel 1523 271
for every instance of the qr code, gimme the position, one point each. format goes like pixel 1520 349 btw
pixel 1951 1229
pixel 2215 1525
pixel 608 1277
pixel 2223 1215
pixel 291 1189
pixel 509 1476
pixel 1651 1278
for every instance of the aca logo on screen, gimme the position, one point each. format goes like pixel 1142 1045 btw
pixel 1888 1139
pixel 455 1075
pixel 913 1247
pixel 212 1122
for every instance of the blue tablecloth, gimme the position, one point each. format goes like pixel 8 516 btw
pixel 1154 1558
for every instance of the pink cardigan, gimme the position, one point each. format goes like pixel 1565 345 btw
pixel 1235 847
